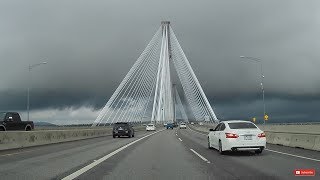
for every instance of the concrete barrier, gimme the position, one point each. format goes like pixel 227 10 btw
pixel 303 141
pixel 279 138
pixel 317 144
pixel 20 139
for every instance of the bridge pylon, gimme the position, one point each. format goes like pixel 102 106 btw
pixel 147 90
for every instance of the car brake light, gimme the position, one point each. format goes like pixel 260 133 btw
pixel 261 135
pixel 231 135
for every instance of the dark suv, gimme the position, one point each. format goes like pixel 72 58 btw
pixel 122 129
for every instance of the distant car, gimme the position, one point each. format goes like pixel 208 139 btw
pixel 175 124
pixel 183 126
pixel 165 125
pixel 122 129
pixel 151 127
pixel 192 123
pixel 237 135
pixel 169 126
pixel 200 123
pixel 12 121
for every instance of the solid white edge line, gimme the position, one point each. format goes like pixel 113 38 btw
pixel 273 150
pixel 180 139
pixel 203 158
pixel 95 163
pixel 293 155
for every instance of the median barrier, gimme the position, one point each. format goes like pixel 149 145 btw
pixel 21 139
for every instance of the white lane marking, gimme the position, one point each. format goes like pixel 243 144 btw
pixel 273 150
pixel 199 155
pixel 10 154
pixel 293 155
pixel 180 139
pixel 95 163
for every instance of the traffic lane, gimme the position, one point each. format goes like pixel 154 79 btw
pixel 269 165
pixel 51 161
pixel 160 156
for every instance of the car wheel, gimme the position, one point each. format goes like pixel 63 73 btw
pixel 220 148
pixel 258 151
pixel 129 135
pixel 118 136
pixel 209 145
pixel 113 136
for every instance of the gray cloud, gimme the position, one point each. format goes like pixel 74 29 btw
pixel 91 45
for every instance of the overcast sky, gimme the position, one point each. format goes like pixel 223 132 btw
pixel 91 45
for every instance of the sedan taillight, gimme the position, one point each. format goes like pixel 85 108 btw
pixel 261 135
pixel 231 135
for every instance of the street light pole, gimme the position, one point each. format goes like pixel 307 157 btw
pixel 31 66
pixel 262 77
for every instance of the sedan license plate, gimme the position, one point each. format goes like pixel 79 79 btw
pixel 248 137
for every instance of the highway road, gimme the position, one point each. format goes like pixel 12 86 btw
pixel 164 154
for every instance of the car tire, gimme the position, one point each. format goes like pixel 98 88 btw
pixel 114 136
pixel 220 147
pixel 209 145
pixel 118 136
pixel 258 151
pixel 129 135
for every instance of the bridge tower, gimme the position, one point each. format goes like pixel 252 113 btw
pixel 147 93
pixel 163 109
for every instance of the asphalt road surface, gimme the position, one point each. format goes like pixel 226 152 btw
pixel 164 154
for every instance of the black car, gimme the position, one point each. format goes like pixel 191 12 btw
pixel 122 129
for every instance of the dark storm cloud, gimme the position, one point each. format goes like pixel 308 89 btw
pixel 91 45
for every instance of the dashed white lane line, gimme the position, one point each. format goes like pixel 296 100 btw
pixel 180 139
pixel 279 152
pixel 293 155
pixel 95 163
pixel 200 156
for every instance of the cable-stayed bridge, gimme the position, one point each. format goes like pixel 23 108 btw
pixel 150 92
pixel 147 89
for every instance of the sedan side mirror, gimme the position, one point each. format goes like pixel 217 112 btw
pixel 211 130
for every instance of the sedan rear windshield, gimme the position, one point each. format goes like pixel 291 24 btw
pixel 241 125
pixel 122 125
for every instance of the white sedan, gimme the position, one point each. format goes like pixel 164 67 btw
pixel 151 127
pixel 237 135
pixel 183 126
